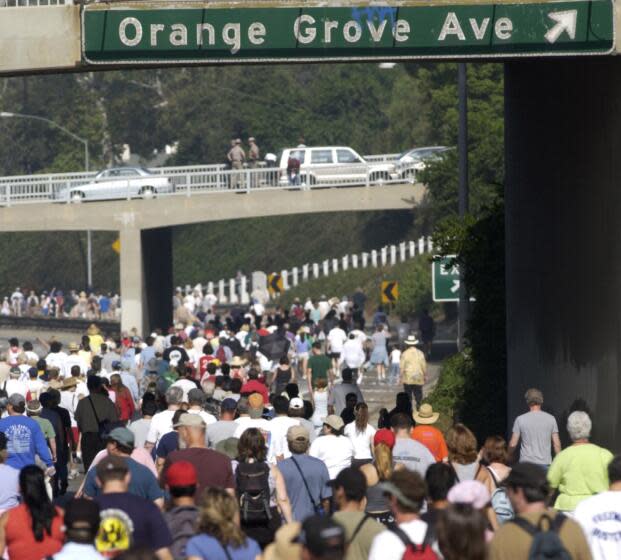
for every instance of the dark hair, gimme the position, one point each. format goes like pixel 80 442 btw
pixel 361 414
pixel 461 533
pixel 149 408
pixel 211 368
pixel 75 371
pixel 27 346
pixel 317 345
pixel 253 374
pixel 13 341
pixel 292 390
pixel 93 383
pixel 440 478
pixel 225 369
pixel 236 385
pixel 495 450
pixel 412 486
pixel 208 349
pixel 34 496
pixel 182 491
pixel 347 374
pixel 55 346
pixel 309 409
pixel 614 469
pixel 284 359
pixel 400 421
pixel 251 445
pixel 281 404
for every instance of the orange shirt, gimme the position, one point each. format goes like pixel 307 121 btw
pixel 432 439
pixel 20 539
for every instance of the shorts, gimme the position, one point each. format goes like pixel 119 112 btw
pixel 335 355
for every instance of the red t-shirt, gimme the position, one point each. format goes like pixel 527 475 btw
pixel 203 362
pixel 432 439
pixel 255 386
pixel 20 540
pixel 213 469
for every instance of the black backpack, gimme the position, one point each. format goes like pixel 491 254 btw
pixel 546 543
pixel 253 491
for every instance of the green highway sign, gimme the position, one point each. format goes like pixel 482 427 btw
pixel 445 279
pixel 187 33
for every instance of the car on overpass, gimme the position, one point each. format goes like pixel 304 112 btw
pixel 332 166
pixel 116 183
pixel 416 160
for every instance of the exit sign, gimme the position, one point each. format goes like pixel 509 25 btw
pixel 169 33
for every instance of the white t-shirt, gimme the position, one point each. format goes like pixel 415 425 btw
pixel 57 360
pixel 353 354
pixel 600 518
pixel 388 545
pixel 75 360
pixel 35 386
pixel 336 338
pixel 186 386
pixel 16 386
pixel 395 356
pixel 362 442
pixel 245 422
pixel 335 451
pixel 161 424
pixel 279 446
pixel 207 418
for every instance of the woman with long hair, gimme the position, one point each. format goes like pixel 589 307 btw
pixel 219 535
pixel 302 350
pixel 463 455
pixel 361 435
pixel 379 354
pixel 282 376
pixel 261 489
pixel 123 401
pixel 461 533
pixel 32 530
pixel 378 505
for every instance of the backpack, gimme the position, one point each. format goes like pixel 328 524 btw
pixel 413 551
pixel 500 502
pixel 546 544
pixel 253 491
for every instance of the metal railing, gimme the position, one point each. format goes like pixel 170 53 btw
pixel 31 3
pixel 197 179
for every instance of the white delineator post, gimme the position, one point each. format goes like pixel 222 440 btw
pixel 315 270
pixel 393 255
pixel 412 248
pixel 294 276
pixel 285 279
pixel 221 295
pixel 384 255
pixel 326 268
pixel 345 264
pixel 354 261
pixel 232 291
pixel 305 273
pixel 335 266
pixel 402 251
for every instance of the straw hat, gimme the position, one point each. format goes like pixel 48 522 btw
pixel 426 415
pixel 411 340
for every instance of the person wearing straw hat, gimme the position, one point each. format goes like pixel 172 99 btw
pixel 413 371
pixel 427 434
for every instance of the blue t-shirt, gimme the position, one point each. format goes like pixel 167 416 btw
pixel 316 476
pixel 127 521
pixel 25 441
pixel 104 304
pixel 142 482
pixel 209 548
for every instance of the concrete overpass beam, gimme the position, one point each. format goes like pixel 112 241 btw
pixel 563 238
pixel 132 308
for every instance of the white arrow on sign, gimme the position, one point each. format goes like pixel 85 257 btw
pixel 565 21
pixel 455 286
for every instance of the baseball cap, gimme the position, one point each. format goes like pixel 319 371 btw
pixel 334 421
pixel 384 436
pixel 124 436
pixel 228 404
pixel 111 463
pixel 296 403
pixel 188 420
pixel 322 535
pixel 353 482
pixel 82 513
pixel 228 447
pixel 297 433
pixel 181 473
pixel 470 492
pixel 17 400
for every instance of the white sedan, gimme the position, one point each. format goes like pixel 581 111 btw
pixel 119 182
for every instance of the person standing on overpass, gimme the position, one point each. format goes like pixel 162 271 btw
pixel 253 153
pixel 535 430
pixel 236 157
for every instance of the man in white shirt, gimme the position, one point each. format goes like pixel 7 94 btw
pixel 353 354
pixel 336 339
pixel 185 384
pixel 57 358
pixel 279 425
pixel 407 494
pixel 73 359
pixel 14 385
pixel 332 447
pixel 600 517
pixel 161 423
pixel 250 416
pixel 196 400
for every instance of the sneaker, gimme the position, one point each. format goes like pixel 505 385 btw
pixel 72 474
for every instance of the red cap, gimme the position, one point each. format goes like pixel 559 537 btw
pixel 384 436
pixel 181 473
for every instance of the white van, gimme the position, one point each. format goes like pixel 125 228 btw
pixel 335 165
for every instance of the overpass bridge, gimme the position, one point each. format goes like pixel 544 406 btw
pixel 562 141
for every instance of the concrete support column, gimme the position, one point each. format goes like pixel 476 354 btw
pixel 563 238
pixel 132 310
pixel 157 277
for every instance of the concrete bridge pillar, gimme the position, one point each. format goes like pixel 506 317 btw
pixel 563 238
pixel 146 279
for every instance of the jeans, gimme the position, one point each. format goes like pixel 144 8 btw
pixel 393 372
pixel 415 393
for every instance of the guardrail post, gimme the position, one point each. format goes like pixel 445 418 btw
pixel 294 276
pixel 412 245
pixel 393 255
pixel 402 251
pixel 305 273
pixel 243 290
pixel 210 287
pixel 384 255
pixel 188 185
pixel 315 270
pixel 285 279
pixel 374 258
pixel 354 261
pixel 345 262
pixel 232 291
pixel 8 195
pixel 421 245
pixel 326 268
pixel 50 188
pixel 335 265
pixel 247 180
pixel 365 260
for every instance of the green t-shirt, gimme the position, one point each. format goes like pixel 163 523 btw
pixel 319 365
pixel 360 547
pixel 580 471
pixel 46 427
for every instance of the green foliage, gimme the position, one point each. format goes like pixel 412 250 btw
pixel 415 288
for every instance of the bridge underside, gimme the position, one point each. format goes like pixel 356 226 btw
pixel 563 248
